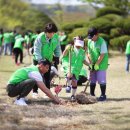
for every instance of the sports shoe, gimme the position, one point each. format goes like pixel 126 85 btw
pixel 102 98
pixel 73 99
pixel 68 89
pixel 20 102
pixel 35 95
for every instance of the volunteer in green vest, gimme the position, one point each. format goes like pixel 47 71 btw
pixel 98 57
pixel 127 52
pixel 1 39
pixel 24 79
pixel 7 42
pixel 63 40
pixel 18 50
pixel 45 46
pixel 77 59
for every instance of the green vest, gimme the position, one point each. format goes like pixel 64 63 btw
pixel 63 39
pixel 48 47
pixel 127 51
pixel 76 62
pixel 94 49
pixel 7 38
pixel 19 43
pixel 83 72
pixel 22 74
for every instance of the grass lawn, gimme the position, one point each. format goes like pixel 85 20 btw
pixel 43 114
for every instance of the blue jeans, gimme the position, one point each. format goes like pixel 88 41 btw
pixel 127 62
pixel 7 46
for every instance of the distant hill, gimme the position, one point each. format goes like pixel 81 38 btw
pixel 51 9
pixel 61 14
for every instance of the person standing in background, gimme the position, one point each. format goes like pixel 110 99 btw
pixel 98 57
pixel 45 46
pixel 7 42
pixel 1 39
pixel 63 40
pixel 127 52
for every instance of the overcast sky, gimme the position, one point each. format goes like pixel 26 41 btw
pixel 64 2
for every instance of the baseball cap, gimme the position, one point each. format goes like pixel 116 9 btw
pixel 91 32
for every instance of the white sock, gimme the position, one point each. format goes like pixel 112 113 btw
pixel 74 91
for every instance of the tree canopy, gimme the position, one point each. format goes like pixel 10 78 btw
pixel 123 5
pixel 14 13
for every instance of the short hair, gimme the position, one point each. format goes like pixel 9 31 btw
pixel 45 62
pixel 50 27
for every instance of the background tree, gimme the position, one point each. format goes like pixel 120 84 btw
pixel 123 5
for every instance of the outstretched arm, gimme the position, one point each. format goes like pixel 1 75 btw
pixel 42 86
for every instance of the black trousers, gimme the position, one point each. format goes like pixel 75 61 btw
pixel 46 78
pixel 22 89
pixel 82 79
pixel 17 52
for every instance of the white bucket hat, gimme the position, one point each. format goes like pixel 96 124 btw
pixel 79 43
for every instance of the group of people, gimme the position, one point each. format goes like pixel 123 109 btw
pixel 47 49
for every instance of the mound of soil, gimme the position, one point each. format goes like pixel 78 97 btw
pixel 85 98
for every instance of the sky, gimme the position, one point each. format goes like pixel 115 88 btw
pixel 64 2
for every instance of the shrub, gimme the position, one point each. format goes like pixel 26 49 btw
pixel 112 17
pixel 78 31
pixel 119 42
pixel 105 37
pixel 108 10
pixel 114 32
pixel 102 24
pixel 126 26
pixel 67 27
pixel 119 23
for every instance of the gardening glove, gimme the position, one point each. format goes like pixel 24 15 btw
pixel 96 67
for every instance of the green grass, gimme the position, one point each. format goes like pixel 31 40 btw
pixel 43 114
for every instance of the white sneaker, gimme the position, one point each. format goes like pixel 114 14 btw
pixel 20 102
pixel 35 95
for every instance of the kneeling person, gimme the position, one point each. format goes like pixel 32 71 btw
pixel 24 79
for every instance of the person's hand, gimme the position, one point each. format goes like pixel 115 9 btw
pixel 69 75
pixel 62 101
pixel 96 67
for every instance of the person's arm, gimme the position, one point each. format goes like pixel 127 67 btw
pixel 100 58
pixel 37 76
pixel 42 86
pixel 66 51
pixel 86 63
pixel 37 49
pixel 57 51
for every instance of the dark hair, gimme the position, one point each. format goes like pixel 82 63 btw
pixel 45 62
pixel 50 27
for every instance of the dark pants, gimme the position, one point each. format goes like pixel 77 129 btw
pixel 46 78
pixel 82 79
pixel 22 89
pixel 62 48
pixel 17 52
